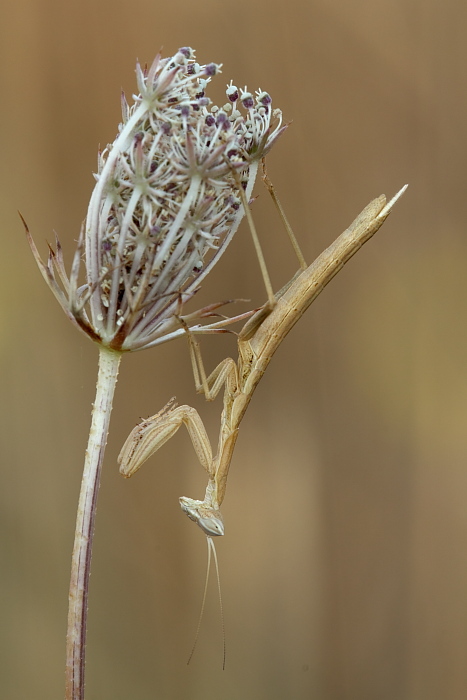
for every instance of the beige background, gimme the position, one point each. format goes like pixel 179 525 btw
pixel 344 565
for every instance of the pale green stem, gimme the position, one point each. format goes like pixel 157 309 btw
pixel 81 561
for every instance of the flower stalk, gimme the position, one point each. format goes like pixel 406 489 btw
pixel 109 362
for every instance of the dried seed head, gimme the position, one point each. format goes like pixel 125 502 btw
pixel 166 204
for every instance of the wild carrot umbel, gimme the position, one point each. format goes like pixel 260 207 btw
pixel 165 206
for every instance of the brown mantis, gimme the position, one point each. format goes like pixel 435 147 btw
pixel 257 342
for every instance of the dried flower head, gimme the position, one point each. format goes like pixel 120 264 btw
pixel 166 203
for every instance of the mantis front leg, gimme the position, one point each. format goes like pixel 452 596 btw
pixel 147 437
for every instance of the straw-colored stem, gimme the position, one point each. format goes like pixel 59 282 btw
pixel 81 561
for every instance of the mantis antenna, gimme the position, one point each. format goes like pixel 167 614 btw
pixel 211 547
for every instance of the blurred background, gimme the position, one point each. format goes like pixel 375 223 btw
pixel 344 565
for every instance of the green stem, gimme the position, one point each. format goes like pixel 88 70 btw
pixel 81 560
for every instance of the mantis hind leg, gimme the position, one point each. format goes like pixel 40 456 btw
pixel 271 189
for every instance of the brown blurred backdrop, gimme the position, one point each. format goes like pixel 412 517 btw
pixel 344 565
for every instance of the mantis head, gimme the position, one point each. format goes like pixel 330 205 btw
pixel 209 519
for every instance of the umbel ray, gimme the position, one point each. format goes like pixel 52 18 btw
pixel 257 341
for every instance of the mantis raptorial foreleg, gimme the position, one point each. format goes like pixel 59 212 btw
pixel 147 437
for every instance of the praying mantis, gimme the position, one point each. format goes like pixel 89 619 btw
pixel 257 341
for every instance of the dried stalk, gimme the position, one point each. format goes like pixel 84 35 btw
pixel 109 362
